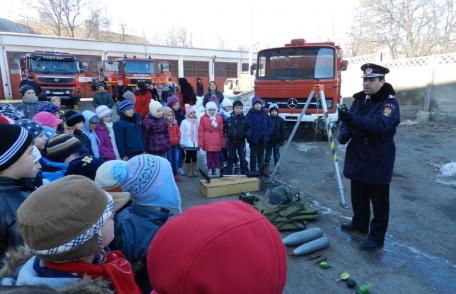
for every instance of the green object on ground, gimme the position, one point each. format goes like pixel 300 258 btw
pixel 324 265
pixel 363 289
pixel 344 276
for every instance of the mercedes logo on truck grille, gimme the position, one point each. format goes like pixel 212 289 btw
pixel 292 103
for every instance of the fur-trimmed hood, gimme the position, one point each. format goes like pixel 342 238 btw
pixel 15 259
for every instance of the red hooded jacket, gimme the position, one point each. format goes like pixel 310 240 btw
pixel 209 138
pixel 224 247
pixel 142 103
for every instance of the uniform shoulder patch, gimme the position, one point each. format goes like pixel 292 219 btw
pixel 388 109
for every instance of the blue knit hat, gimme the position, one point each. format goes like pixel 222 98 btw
pixel 84 166
pixel 273 106
pixel 34 128
pixel 48 107
pixel 256 100
pixel 15 140
pixel 124 105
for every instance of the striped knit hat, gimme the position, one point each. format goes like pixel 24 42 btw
pixel 13 144
pixel 61 146
pixel 124 105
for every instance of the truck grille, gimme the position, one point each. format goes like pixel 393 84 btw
pixel 289 103
pixel 49 80
pixel 139 81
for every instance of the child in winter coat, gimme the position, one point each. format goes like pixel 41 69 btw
pixel 156 131
pixel 14 167
pixel 105 134
pixel 152 199
pixel 261 129
pixel 174 154
pixel 91 122
pixel 66 225
pixel 237 130
pixel 74 122
pixel 174 104
pixel 211 138
pixel 128 132
pixel 189 140
pixel 278 135
pixel 226 108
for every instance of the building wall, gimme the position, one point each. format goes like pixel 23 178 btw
pixel 16 45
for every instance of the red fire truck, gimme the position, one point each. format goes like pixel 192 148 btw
pixel 286 76
pixel 57 74
pixel 134 71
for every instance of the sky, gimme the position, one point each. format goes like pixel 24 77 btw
pixel 235 23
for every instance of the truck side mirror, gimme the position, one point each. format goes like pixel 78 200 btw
pixel 344 65
pixel 252 69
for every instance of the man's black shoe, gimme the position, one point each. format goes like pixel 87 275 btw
pixel 349 227
pixel 369 245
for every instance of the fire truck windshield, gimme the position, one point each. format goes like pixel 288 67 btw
pixel 53 66
pixel 139 67
pixel 296 63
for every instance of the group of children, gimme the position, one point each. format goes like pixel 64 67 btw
pixel 223 136
pixel 107 227
pixel 93 201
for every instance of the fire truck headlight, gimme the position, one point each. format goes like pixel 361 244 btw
pixel 47 92
pixel 67 92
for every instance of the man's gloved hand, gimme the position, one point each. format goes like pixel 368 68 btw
pixel 344 114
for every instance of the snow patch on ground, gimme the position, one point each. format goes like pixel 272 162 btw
pixel 447 173
pixel 305 147
pixel 408 123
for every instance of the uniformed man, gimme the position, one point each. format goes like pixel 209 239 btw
pixel 369 127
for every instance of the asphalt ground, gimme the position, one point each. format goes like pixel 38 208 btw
pixel 419 254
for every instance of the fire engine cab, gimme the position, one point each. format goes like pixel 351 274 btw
pixel 134 71
pixel 56 73
pixel 286 76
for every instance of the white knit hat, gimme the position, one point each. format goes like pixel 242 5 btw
pixel 153 107
pixel 106 177
pixel 103 111
pixel 211 105
pixel 227 102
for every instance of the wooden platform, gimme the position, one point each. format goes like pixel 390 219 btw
pixel 225 186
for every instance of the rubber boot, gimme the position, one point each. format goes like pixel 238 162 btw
pixel 188 170
pixel 195 172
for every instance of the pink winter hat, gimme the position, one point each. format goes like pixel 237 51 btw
pixel 47 119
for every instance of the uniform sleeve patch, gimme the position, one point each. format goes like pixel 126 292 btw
pixel 387 111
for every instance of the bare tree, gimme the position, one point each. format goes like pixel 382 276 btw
pixel 123 29
pixel 96 23
pixel 50 12
pixel 406 27
pixel 61 15
pixel 178 37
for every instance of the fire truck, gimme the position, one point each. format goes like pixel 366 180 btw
pixel 57 74
pixel 286 76
pixel 134 71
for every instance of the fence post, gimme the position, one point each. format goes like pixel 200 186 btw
pixel 424 115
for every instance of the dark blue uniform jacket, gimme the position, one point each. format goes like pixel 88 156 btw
pixel 371 150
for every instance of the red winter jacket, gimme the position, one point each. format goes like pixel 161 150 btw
pixel 174 133
pixel 142 103
pixel 209 138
